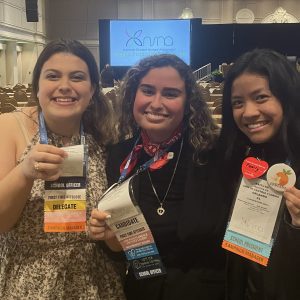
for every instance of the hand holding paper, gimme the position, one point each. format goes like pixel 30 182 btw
pixel 97 228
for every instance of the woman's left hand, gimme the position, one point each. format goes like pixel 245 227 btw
pixel 292 196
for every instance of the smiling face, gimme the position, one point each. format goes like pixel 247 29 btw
pixel 159 103
pixel 256 111
pixel 65 88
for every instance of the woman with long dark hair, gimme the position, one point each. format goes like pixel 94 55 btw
pixel 261 108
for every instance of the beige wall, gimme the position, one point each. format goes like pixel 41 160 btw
pixel 21 41
pixel 78 19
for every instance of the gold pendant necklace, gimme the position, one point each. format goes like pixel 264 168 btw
pixel 160 210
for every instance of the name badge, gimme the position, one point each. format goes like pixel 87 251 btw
pixel 251 228
pixel 132 231
pixel 65 198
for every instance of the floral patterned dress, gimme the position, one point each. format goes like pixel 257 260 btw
pixel 39 265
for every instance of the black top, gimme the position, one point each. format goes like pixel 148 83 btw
pixel 189 234
pixel 164 228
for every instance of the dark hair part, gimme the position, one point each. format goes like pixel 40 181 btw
pixel 201 127
pixel 97 117
pixel 285 86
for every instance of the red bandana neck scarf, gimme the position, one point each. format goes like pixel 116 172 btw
pixel 152 149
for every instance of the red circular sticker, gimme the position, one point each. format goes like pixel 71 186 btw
pixel 254 168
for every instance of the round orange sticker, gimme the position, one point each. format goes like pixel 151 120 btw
pixel 280 177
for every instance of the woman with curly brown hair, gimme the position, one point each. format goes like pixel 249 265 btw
pixel 165 120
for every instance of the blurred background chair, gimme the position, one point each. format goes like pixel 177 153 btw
pixel 217 115
pixel 217 102
pixel 7 107
pixel 205 95
pixel 20 96
pixel 8 104
pixel 218 110
pixel 32 101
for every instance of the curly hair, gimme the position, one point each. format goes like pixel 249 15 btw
pixel 202 130
pixel 97 118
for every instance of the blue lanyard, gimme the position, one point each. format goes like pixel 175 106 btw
pixel 43 130
pixel 125 170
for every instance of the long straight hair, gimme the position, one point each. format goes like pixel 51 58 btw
pixel 284 83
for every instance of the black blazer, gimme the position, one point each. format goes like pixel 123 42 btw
pixel 202 221
pixel 205 205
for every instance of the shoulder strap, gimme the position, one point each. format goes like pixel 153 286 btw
pixel 24 131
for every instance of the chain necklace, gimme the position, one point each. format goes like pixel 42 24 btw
pixel 160 210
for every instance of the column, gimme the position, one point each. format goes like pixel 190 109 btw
pixel 2 64
pixel 227 11
pixel 11 64
pixel 19 64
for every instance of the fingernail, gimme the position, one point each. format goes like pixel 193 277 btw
pixel 108 217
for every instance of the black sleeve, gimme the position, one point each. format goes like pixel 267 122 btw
pixel 116 155
pixel 112 171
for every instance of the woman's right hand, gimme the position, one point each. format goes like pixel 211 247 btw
pixel 97 227
pixel 292 196
pixel 43 162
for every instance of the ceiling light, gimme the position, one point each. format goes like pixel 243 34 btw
pixel 187 13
